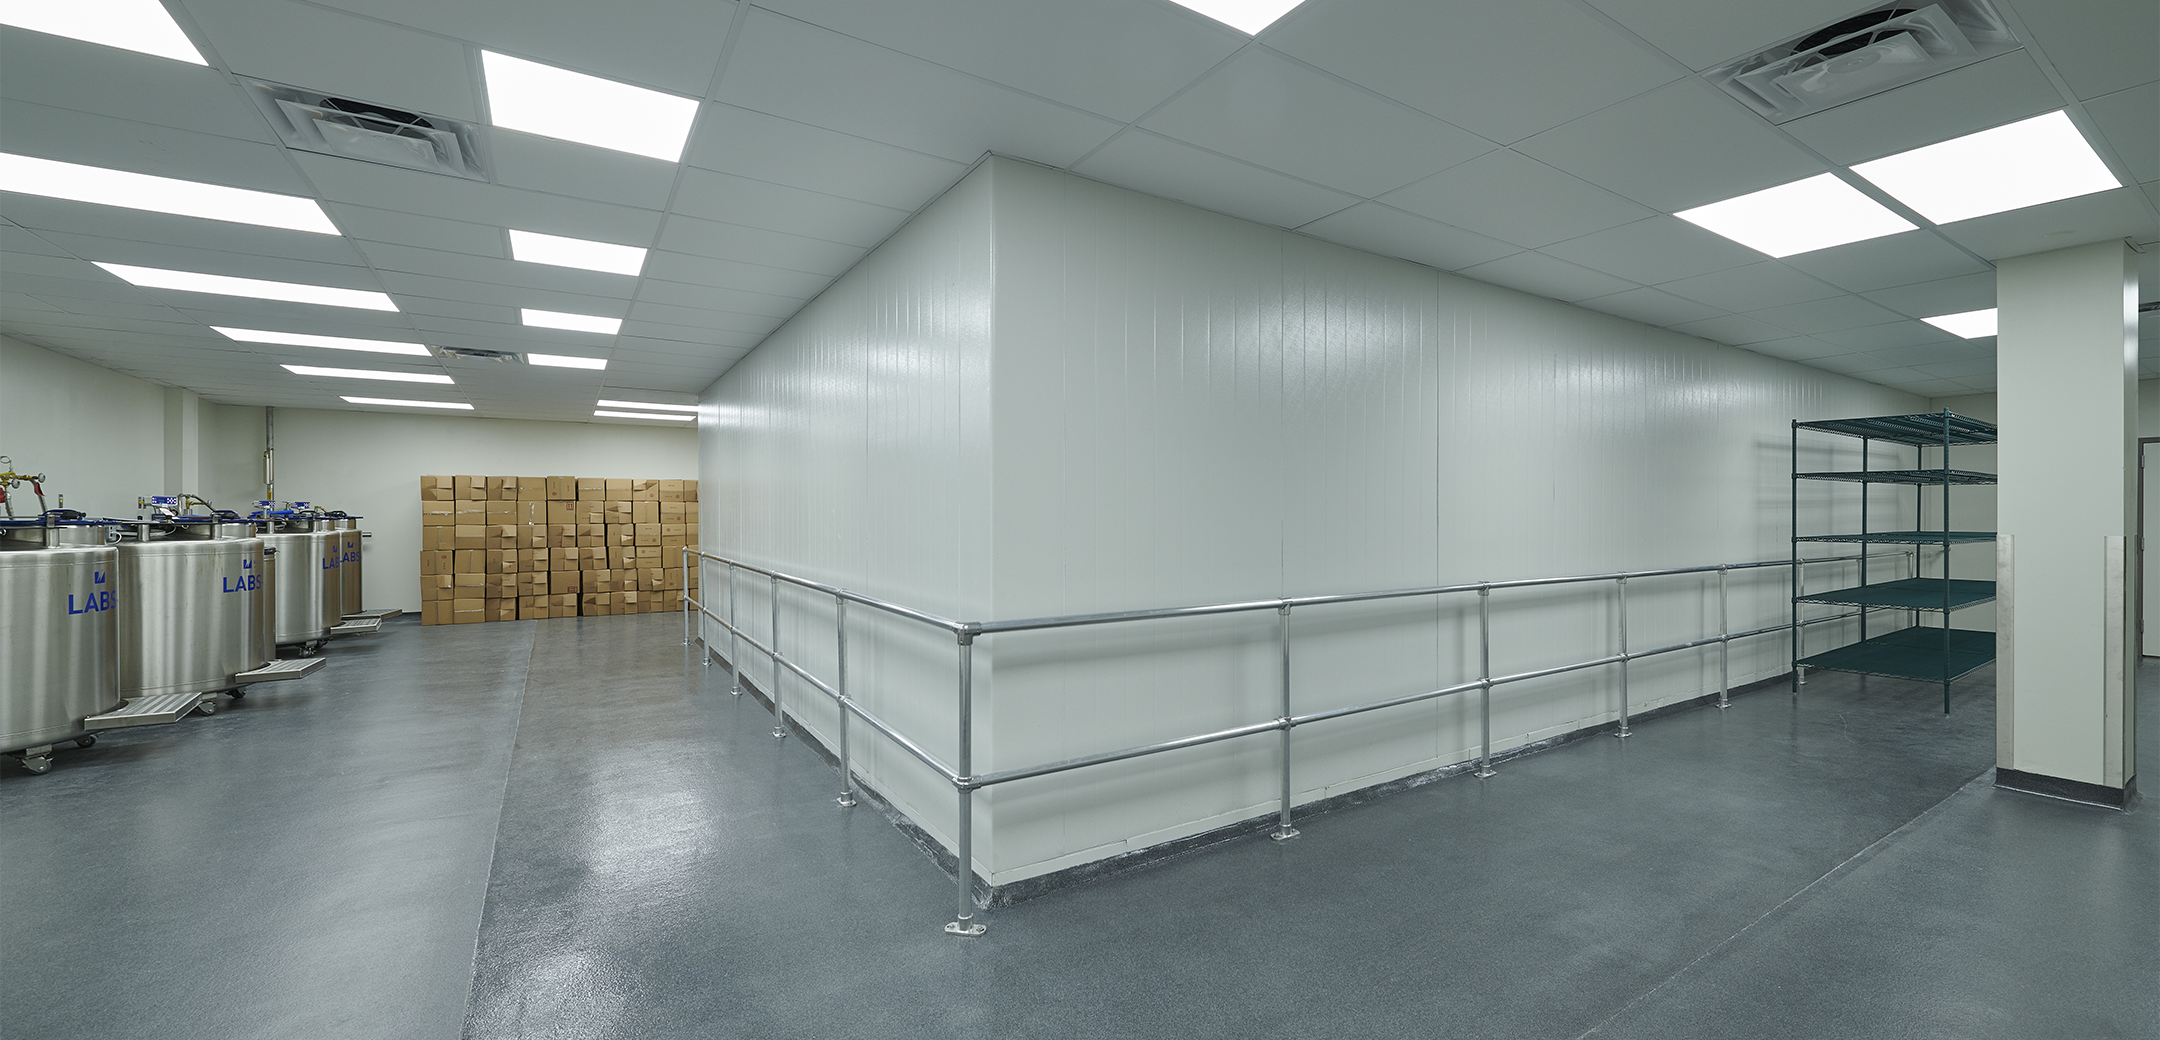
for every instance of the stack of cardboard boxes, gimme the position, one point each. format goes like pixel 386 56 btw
pixel 512 548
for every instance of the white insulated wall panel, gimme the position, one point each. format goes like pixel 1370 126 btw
pixel 98 434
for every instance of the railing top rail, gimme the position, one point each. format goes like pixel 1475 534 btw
pixel 1247 606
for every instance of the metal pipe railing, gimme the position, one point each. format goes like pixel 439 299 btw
pixel 966 782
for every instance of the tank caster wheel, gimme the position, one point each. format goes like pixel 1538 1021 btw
pixel 236 695
pixel 207 707
pixel 37 760
pixel 86 740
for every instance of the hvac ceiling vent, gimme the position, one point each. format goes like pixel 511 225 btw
pixel 1864 55
pixel 363 130
pixel 476 354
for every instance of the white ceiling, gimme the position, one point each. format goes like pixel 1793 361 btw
pixel 1536 144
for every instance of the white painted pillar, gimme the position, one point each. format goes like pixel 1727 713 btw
pixel 2066 366
pixel 183 443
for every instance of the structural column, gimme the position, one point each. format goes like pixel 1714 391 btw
pixel 2067 402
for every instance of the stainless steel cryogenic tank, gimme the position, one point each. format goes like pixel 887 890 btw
pixel 306 596
pixel 58 630
pixel 349 566
pixel 192 600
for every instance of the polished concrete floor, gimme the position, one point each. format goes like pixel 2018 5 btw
pixel 569 829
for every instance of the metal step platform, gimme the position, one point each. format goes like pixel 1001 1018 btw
pixel 154 710
pixel 357 627
pixel 379 615
pixel 279 670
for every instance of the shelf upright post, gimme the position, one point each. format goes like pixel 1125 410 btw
pixel 1867 491
pixel 1946 559
pixel 1797 651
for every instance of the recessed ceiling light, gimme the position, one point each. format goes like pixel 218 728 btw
pixel 1246 16
pixel 2025 163
pixel 64 180
pixel 572 322
pixel 645 415
pixel 1969 324
pixel 252 288
pixel 295 339
pixel 143 26
pixel 1816 213
pixel 564 361
pixel 572 106
pixel 406 404
pixel 536 248
pixel 366 373
pixel 648 405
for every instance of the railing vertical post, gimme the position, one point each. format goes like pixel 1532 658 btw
pixel 1484 626
pixel 1283 830
pixel 1623 660
pixel 686 596
pixel 963 922
pixel 734 652
pixel 779 712
pixel 847 775
pixel 1724 646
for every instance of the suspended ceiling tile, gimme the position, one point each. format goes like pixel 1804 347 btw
pixel 1657 250
pixel 1684 144
pixel 545 164
pixel 56 264
pixel 1850 363
pixel 734 274
pixel 671 45
pixel 17 302
pixel 1117 58
pixel 1157 165
pixel 1797 348
pixel 1651 307
pixel 798 71
pixel 366 223
pixel 1541 275
pixel 1943 296
pixel 424 311
pixel 85 77
pixel 689 339
pixel 2099 46
pixel 1963 369
pixel 1878 263
pixel 1925 386
pixel 1879 338
pixel 768 148
pixel 94 285
pixel 683 294
pixel 2057 225
pixel 696 317
pixel 779 207
pixel 1270 111
pixel 1751 287
pixel 2130 122
pixel 16 240
pixel 2002 89
pixel 403 285
pixel 162 240
pixel 362 58
pixel 455 198
pixel 123 144
pixel 1814 316
pixel 1511 197
pixel 1934 353
pixel 511 273
pixel 103 325
pixel 128 309
pixel 751 245
pixel 1502 71
pixel 1732 330
pixel 1738 27
pixel 235 312
pixel 1391 232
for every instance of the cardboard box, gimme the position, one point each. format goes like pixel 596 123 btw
pixel 591 536
pixel 650 486
pixel 560 513
pixel 645 512
pixel 652 495
pixel 468 561
pixel 470 488
pixel 690 488
pixel 618 512
pixel 532 559
pixel 532 489
pixel 690 531
pixel 472 512
pixel 622 485
pixel 431 494
pixel 437 586
pixel 678 534
pixel 468 580
pixel 503 610
pixel 565 583
pixel 592 513
pixel 585 484
pixel 529 512
pixel 671 496
pixel 499 512
pixel 431 485
pixel 598 581
pixel 670 512
pixel 562 489
pixel 436 562
pixel 619 556
pixel 670 485
pixel 491 560
pixel 471 603
pixel 438 538
pixel 495 486
pixel 648 534
pixel 435 613
pixel 651 556
pixel 631 602
pixel 562 534
pixel 437 517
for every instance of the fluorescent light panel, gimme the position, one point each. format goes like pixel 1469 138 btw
pixel 64 180
pixel 1969 324
pixel 1805 215
pixel 572 322
pixel 366 373
pixel 295 339
pixel 143 26
pixel 564 361
pixel 251 288
pixel 648 405
pixel 572 106
pixel 2025 163
pixel 1246 16
pixel 535 248
pixel 394 402
pixel 645 415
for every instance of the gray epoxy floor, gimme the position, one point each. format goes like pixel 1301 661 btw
pixel 570 829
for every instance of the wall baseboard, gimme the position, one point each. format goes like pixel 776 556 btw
pixel 2118 798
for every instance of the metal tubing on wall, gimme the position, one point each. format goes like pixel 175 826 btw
pixel 963 922
pixel 1283 830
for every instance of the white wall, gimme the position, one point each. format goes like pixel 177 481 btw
pixel 1187 408
pixel 370 463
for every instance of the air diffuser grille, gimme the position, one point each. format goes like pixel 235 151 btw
pixel 1863 55
pixel 369 132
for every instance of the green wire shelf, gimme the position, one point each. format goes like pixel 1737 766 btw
pixel 1927 428
pixel 1909 594
pixel 1904 476
pixel 1911 653
pixel 1902 537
